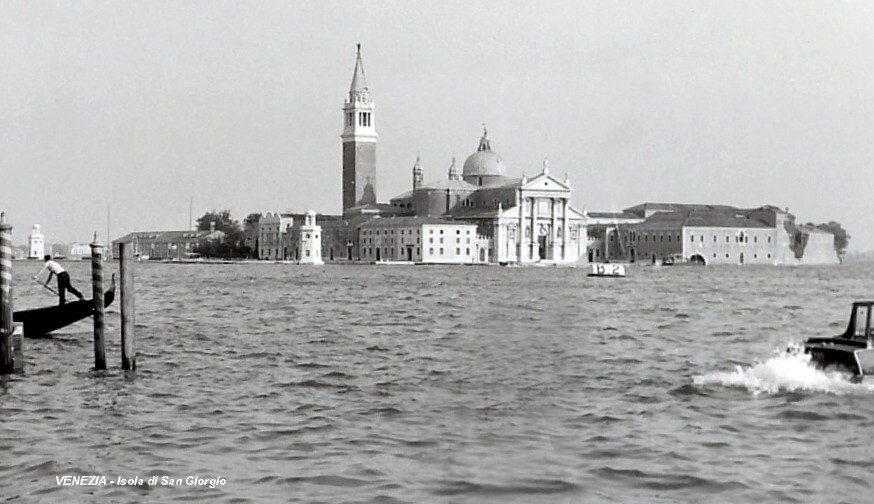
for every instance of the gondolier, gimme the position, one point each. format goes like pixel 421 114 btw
pixel 63 279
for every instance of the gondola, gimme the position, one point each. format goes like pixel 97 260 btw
pixel 41 321
pixel 852 351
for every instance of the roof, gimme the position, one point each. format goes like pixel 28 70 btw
pixel 448 184
pixel 166 236
pixel 411 221
pixel 648 207
pixel 484 162
pixel 351 222
pixel 703 218
pixel 613 215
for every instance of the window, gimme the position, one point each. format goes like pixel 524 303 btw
pixel 430 240
pixel 467 251
pixel 714 240
pixel 431 250
pixel 441 250
pixel 457 231
pixel 692 238
pixel 726 238
pixel 457 251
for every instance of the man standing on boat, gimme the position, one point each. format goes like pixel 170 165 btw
pixel 63 279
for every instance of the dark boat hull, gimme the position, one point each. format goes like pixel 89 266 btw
pixel 41 321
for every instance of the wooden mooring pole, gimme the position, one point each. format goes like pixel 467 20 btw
pixel 97 290
pixel 6 326
pixel 128 342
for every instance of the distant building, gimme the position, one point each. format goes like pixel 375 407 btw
pixel 36 244
pixel 428 240
pixel 272 229
pixel 712 234
pixel 514 220
pixel 172 245
pixel 310 240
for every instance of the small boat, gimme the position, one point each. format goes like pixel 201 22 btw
pixel 852 351
pixel 41 321
pixel 607 270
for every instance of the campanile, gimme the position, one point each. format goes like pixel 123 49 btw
pixel 359 142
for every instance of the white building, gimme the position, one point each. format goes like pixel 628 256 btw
pixel 272 229
pixel 36 244
pixel 310 240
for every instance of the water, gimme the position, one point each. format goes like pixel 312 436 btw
pixel 447 385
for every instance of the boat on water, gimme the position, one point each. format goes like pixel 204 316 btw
pixel 41 321
pixel 852 351
pixel 607 270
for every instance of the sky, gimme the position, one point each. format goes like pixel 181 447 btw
pixel 137 115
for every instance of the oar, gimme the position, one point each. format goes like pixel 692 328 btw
pixel 53 291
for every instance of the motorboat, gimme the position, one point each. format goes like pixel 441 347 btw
pixel 852 351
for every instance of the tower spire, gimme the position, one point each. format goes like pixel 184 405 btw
pixel 453 171
pixel 418 174
pixel 359 82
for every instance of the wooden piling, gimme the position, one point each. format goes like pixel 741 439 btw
pixel 97 290
pixel 128 341
pixel 6 326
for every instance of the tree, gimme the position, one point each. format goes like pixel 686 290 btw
pixel 842 238
pixel 223 222
pixel 231 244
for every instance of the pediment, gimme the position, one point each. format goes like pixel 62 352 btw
pixel 545 182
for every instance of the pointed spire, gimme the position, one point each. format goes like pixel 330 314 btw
pixel 453 171
pixel 546 166
pixel 418 174
pixel 359 83
pixel 484 141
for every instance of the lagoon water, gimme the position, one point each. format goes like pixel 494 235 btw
pixel 447 385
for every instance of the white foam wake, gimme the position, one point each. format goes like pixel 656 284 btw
pixel 787 371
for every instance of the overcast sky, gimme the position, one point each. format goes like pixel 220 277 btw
pixel 142 107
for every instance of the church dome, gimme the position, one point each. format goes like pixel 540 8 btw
pixel 484 162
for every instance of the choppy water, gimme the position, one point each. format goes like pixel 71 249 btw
pixel 447 384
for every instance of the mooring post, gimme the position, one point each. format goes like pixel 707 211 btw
pixel 128 342
pixel 97 290
pixel 6 360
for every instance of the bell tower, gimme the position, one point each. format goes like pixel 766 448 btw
pixel 359 142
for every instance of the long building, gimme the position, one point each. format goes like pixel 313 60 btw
pixel 709 234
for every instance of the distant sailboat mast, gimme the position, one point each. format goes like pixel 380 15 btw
pixel 108 236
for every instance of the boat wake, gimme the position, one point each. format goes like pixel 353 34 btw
pixel 787 371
